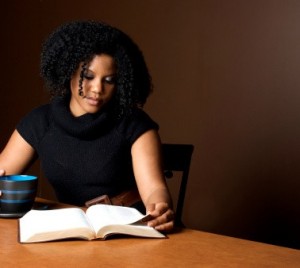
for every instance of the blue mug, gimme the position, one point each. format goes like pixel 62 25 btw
pixel 18 193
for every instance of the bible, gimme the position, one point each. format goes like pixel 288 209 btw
pixel 98 222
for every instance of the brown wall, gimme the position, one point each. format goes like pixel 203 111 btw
pixel 226 76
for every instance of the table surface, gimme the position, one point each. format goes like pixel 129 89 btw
pixel 183 248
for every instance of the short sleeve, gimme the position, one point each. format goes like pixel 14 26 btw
pixel 137 124
pixel 32 127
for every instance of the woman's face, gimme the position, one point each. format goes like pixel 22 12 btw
pixel 98 85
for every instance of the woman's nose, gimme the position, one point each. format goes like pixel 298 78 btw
pixel 97 88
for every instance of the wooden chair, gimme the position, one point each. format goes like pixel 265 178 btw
pixel 177 157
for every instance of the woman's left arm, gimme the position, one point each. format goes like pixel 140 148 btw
pixel 148 171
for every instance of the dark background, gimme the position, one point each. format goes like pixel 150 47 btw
pixel 226 76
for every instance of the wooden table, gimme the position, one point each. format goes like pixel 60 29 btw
pixel 185 248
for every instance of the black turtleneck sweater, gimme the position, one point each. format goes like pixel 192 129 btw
pixel 87 156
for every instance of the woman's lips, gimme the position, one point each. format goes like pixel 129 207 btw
pixel 94 102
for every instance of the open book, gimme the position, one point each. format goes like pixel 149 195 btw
pixel 98 222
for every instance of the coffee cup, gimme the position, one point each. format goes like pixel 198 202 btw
pixel 18 193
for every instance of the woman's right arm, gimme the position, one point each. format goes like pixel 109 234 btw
pixel 16 156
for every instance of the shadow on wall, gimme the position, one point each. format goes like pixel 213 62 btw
pixel 262 204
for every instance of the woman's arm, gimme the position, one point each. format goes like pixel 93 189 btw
pixel 148 171
pixel 16 156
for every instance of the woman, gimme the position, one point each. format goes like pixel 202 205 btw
pixel 93 138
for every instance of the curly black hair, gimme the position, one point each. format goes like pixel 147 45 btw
pixel 79 41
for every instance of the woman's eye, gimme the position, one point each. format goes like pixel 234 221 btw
pixel 110 79
pixel 88 77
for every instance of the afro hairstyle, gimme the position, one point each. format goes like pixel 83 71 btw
pixel 78 42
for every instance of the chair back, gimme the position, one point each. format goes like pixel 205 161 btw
pixel 177 157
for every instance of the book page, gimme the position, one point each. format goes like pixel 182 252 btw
pixel 130 229
pixel 101 215
pixel 38 225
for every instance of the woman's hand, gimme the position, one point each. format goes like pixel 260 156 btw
pixel 148 171
pixel 163 216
